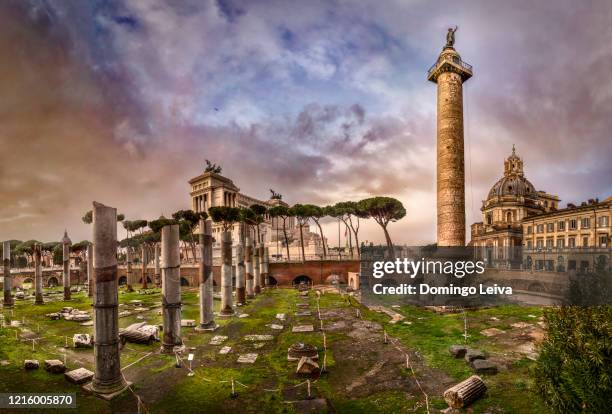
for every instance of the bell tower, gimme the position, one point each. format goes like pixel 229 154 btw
pixel 449 72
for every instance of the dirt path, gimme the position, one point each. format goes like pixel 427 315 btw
pixel 366 365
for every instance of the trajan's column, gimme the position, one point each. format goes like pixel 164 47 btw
pixel 449 72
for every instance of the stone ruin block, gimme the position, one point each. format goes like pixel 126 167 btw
pixel 473 354
pixel 79 376
pixel 55 366
pixel 82 341
pixel 140 332
pixel 483 366
pixel 29 364
pixel 307 366
pixel 188 323
pixel 458 351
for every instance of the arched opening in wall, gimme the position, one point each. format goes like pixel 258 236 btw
pixel 122 281
pixel 27 283
pixel 272 281
pixel 52 282
pixel 184 282
pixel 302 279
pixel 509 217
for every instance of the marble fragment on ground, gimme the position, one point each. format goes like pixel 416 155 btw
pixel 247 358
pixel 258 338
pixel 217 340
pixel 79 375
pixel 302 328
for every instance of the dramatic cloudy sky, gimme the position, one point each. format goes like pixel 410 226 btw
pixel 121 102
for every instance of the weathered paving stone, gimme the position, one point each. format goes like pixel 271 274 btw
pixel 491 332
pixel 225 350
pixel 482 366
pixel 29 364
pixel 302 328
pixel 217 340
pixel 79 375
pixel 247 358
pixel 303 313
pixel 458 351
pixel 281 316
pixel 307 366
pixel 258 338
pixel 54 366
pixel 473 354
pixel 521 325
pixel 258 345
pixel 303 305
pixel 243 315
pixel 276 327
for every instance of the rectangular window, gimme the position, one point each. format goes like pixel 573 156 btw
pixel 572 224
pixel 561 226
pixel 560 243
pixel 584 223
pixel 571 242
pixel 549 243
pixel 604 221
pixel 540 243
pixel 585 242
pixel 540 228
pixel 529 230
pixel 529 244
pixel 603 241
pixel 550 227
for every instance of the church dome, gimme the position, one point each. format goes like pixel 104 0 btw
pixel 513 183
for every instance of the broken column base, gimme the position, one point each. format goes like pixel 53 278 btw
pixel 226 313
pixel 106 396
pixel 208 327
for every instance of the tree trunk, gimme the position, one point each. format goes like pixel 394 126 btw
pixel 350 238
pixel 355 232
pixel 286 240
pixel 302 243
pixel 388 239
pixel 322 239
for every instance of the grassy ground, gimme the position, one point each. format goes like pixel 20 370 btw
pixel 270 384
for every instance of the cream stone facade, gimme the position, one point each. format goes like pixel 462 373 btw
pixel 211 189
pixel 573 238
pixel 525 228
